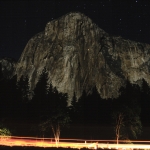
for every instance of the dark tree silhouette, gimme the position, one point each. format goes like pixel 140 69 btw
pixel 23 89
pixel 12 100
pixel 98 109
pixel 73 109
pixel 8 96
pixel 23 97
pixel 127 122
pixel 56 114
pixel 40 92
pixel 126 113
pixel 81 107
pixel 3 95
pixel 145 102
pixel 92 108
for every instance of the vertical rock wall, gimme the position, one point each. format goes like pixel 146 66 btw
pixel 78 55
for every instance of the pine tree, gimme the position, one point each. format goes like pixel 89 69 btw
pixel 40 93
pixel 23 89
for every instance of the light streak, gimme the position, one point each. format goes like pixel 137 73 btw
pixel 71 143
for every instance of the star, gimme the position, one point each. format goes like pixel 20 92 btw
pixel 25 22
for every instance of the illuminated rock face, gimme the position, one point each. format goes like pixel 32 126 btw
pixel 78 55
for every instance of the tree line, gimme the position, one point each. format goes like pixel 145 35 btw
pixel 48 107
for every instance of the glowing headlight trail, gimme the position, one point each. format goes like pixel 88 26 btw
pixel 72 143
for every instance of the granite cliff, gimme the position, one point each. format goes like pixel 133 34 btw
pixel 78 55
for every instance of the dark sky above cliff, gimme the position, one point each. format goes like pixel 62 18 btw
pixel 20 20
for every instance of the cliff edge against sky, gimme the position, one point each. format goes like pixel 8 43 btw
pixel 78 55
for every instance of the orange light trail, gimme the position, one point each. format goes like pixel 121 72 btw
pixel 70 143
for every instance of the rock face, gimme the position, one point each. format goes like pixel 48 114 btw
pixel 78 55
pixel 7 67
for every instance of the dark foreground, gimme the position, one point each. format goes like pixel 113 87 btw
pixel 34 148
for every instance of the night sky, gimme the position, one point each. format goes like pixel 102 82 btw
pixel 20 20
